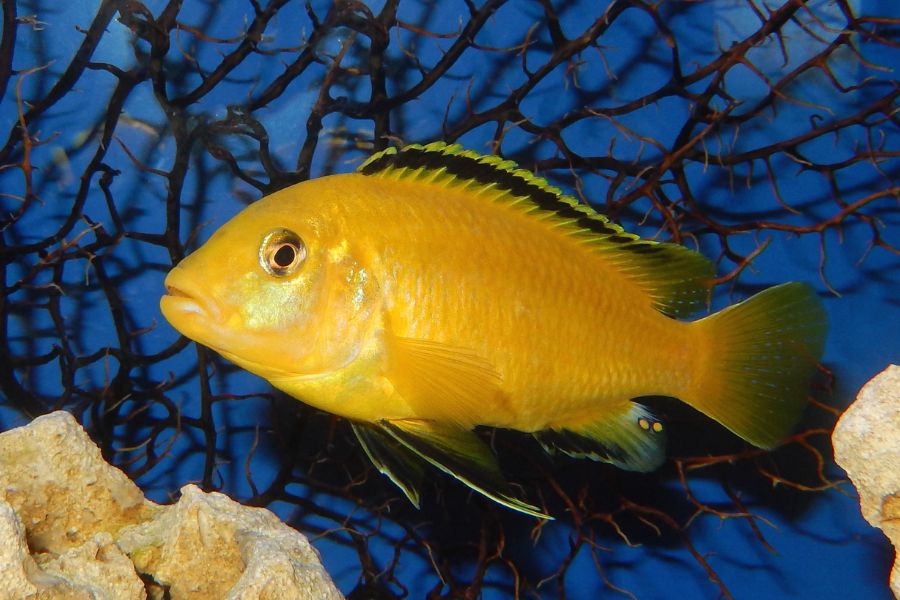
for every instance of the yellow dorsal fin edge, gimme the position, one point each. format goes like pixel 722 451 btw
pixel 676 278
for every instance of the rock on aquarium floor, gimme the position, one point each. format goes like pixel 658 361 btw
pixel 74 527
pixel 867 445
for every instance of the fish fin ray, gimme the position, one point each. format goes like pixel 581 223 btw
pixel 393 459
pixel 460 453
pixel 763 354
pixel 444 382
pixel 632 439
pixel 676 279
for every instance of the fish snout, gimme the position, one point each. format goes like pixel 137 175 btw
pixel 185 296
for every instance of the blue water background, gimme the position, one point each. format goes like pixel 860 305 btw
pixel 823 548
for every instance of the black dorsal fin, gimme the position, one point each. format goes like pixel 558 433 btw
pixel 676 278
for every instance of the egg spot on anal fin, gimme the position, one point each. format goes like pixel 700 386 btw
pixel 648 425
pixel 631 438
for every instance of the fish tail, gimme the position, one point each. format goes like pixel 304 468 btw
pixel 759 358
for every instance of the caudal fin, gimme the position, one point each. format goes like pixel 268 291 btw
pixel 762 356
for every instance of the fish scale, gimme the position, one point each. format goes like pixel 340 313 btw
pixel 578 334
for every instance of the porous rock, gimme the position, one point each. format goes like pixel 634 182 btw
pixel 15 561
pixel 866 443
pixel 208 546
pixel 73 527
pixel 54 477
pixel 96 570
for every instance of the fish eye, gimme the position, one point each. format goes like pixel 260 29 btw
pixel 282 252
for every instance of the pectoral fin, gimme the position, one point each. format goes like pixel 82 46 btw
pixel 460 453
pixel 392 458
pixel 632 439
pixel 443 382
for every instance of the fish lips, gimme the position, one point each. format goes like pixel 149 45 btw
pixel 186 305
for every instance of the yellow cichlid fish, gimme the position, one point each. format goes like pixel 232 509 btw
pixel 436 289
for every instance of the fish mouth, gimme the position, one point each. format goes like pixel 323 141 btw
pixel 183 299
pixel 171 290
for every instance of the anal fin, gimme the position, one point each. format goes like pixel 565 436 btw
pixel 631 439
pixel 459 453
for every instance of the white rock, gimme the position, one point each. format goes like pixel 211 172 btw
pixel 15 560
pixel 54 477
pixel 867 445
pixel 209 546
pixel 92 532
pixel 97 570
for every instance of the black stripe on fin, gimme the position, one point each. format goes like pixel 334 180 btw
pixel 467 165
pixel 675 278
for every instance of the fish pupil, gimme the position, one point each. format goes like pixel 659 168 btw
pixel 281 253
pixel 284 256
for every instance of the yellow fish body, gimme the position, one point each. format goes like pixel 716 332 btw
pixel 435 290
